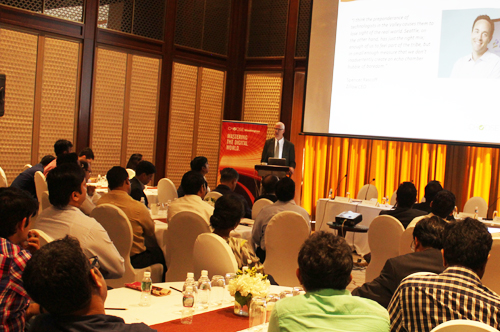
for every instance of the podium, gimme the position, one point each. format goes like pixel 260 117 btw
pixel 279 171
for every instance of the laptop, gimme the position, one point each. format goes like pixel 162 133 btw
pixel 276 161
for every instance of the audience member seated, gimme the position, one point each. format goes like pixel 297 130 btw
pixel 134 160
pixel 423 302
pixel 227 214
pixel 269 188
pixel 143 174
pixel 143 226
pixel 325 265
pixel 17 243
pixel 431 189
pixel 72 291
pixel 285 191
pixel 92 195
pixel 428 242
pixel 403 211
pixel 67 192
pixel 442 206
pixel 228 181
pixel 195 187
pixel 61 147
pixel 200 165
pixel 26 180
pixel 86 155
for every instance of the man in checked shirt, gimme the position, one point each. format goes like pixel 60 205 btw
pixel 425 301
pixel 17 243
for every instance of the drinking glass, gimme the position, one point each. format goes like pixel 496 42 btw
pixel 286 293
pixel 228 297
pixel 271 300
pixel 257 312
pixel 218 288
pixel 154 208
pixel 298 290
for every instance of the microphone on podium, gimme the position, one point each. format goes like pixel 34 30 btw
pixel 338 185
pixel 368 189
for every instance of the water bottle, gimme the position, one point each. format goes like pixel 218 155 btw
pixel 204 289
pixel 188 304
pixel 146 285
pixel 476 212
pixel 190 282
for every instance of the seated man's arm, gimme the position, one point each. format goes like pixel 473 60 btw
pixel 110 260
pixel 148 226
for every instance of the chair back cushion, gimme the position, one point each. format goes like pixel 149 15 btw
pixel 284 235
pixel 383 238
pixel 405 241
pixel 166 190
pixel 463 325
pixel 367 192
pixel 213 254
pixel 183 230
pixel 478 202
pixel 40 184
pixel 258 205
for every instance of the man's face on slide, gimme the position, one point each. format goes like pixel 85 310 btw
pixel 480 36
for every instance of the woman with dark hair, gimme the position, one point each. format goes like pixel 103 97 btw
pixel 135 159
pixel 227 215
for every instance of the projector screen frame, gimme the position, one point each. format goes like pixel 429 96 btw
pixel 355 136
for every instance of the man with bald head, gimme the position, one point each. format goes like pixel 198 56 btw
pixel 279 147
pixel 481 63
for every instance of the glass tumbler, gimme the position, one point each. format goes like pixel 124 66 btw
pixel 218 289
pixel 257 311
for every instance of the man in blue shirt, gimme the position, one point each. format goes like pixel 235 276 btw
pixel 26 180
pixel 325 265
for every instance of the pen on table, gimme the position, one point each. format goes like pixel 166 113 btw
pixel 115 308
pixel 176 289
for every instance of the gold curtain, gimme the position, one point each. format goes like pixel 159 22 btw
pixel 327 160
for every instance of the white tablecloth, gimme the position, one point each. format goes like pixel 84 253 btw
pixel 162 309
pixel 326 210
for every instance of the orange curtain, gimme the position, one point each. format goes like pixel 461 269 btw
pixel 328 159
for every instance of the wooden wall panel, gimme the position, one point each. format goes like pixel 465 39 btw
pixel 262 99
pixel 59 99
pixel 18 59
pixel 143 107
pixel 109 99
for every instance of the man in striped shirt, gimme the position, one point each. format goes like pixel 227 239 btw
pixel 425 301
pixel 16 209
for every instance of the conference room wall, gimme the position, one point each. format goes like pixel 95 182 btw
pixel 42 95
pixel 125 107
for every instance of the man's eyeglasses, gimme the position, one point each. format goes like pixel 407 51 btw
pixel 94 262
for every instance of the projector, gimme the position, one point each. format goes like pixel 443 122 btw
pixel 348 218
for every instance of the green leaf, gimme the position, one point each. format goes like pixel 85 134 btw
pixel 242 300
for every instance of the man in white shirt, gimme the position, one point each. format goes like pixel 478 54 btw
pixel 481 63
pixel 285 191
pixel 195 189
pixel 67 192
pixel 279 147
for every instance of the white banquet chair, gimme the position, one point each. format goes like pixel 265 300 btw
pixel 116 223
pixel 44 201
pixel 258 205
pixel 212 253
pixel 183 230
pixel 40 185
pixel 3 179
pixel 367 192
pixel 213 195
pixel 166 191
pixel 406 240
pixel 383 238
pixel 478 202
pixel 284 236
pixel 131 173
pixel 463 325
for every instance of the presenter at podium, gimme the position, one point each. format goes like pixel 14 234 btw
pixel 279 147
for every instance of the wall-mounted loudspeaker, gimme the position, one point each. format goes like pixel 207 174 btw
pixel 2 94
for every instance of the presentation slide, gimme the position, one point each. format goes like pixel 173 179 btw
pixel 427 69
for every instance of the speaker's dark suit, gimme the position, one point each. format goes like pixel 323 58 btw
pixel 382 288
pixel 288 152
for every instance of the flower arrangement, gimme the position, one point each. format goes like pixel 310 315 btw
pixel 247 284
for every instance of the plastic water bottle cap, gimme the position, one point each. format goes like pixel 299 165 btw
pixel 190 275
pixel 204 272
pixel 147 274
